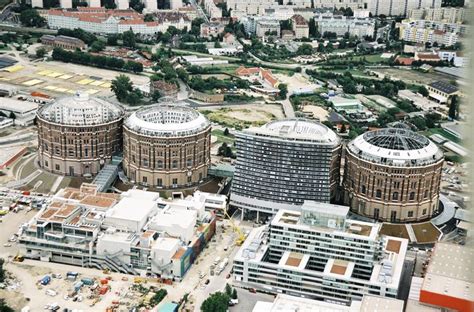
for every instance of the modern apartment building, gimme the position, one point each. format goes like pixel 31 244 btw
pixel 399 7
pixel 359 27
pixel 423 31
pixel 317 253
pixel 445 14
pixel 283 163
pixel 135 232
pixel 393 175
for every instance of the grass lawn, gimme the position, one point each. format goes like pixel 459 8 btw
pixel 442 132
pixel 426 232
pixel 396 230
pixel 221 138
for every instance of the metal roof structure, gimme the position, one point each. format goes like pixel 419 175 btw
pixel 395 147
pixel 444 87
pixel 167 121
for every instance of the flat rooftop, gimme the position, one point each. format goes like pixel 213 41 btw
pixel 17 106
pixel 449 271
pixel 352 228
pixel 372 303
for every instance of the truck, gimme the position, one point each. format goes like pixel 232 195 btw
pixel 78 285
pixel 87 281
pixel 222 265
pixel 216 261
pixel 45 280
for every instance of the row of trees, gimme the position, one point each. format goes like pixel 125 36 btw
pixel 199 84
pixel 101 61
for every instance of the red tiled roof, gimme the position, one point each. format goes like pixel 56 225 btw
pixel 243 71
pixel 404 60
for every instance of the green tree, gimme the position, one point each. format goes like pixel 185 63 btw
pixel 40 52
pixel 137 5
pixel 217 45
pixel 4 307
pixel 228 290
pixel 343 128
pixel 419 122
pixel 225 151
pixel 313 29
pixel 305 49
pixel 121 86
pixel 234 294
pixel 156 95
pixel 453 108
pixel 31 18
pixel 217 302
pixel 129 39
pixel 2 271
pixel 226 132
pixel 423 91
pixel 97 46
pixel 283 88
pixel 112 40
pixel 148 18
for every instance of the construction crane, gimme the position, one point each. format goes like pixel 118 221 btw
pixel 240 236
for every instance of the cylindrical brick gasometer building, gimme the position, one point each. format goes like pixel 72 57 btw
pixel 167 146
pixel 393 175
pixel 77 135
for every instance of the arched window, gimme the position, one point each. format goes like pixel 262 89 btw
pixel 159 164
pixel 395 196
pixel 362 189
pixel 378 193
pixel 412 196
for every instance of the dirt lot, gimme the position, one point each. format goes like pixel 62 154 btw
pixel 317 111
pixel 244 115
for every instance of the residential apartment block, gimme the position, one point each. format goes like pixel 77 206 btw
pixel 341 25
pixel 212 10
pixel 300 26
pixel 136 232
pixel 445 14
pixel 318 253
pixel 423 31
pixel 399 7
pixel 103 21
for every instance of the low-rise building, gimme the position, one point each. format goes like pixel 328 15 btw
pixel 300 26
pixel 211 30
pixel 458 58
pixel 23 112
pixel 318 253
pixel 448 281
pixel 267 28
pixel 65 42
pixel 100 230
pixel 441 91
pixel 427 57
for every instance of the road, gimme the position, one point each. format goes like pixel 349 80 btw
pixel 288 108
pixel 275 65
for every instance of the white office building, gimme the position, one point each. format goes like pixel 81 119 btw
pixel 318 253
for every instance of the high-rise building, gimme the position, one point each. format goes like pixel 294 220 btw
pixel 77 135
pixel 318 253
pixel 283 163
pixel 166 146
pixel 393 175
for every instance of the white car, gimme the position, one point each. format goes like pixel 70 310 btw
pixel 7 245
